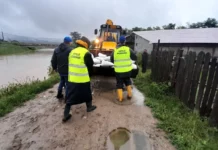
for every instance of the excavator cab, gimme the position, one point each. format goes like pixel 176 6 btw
pixel 108 38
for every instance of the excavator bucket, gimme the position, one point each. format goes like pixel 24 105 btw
pixel 109 46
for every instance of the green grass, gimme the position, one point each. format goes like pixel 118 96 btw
pixel 7 48
pixel 16 94
pixel 185 129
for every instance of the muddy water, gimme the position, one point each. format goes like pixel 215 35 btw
pixel 119 139
pixel 20 68
pixel 123 139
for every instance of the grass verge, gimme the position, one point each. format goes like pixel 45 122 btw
pixel 16 94
pixel 185 129
pixel 7 48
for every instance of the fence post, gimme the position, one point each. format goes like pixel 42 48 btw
pixel 176 67
pixel 189 68
pixel 195 80
pixel 154 62
pixel 158 45
pixel 213 120
pixel 203 80
pixel 180 78
pixel 208 87
pixel 212 93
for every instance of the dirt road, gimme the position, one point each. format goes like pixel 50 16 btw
pixel 37 125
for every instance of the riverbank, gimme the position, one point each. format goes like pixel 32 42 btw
pixel 16 94
pixel 7 48
pixel 185 129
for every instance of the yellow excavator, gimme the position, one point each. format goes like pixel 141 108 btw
pixel 105 44
pixel 108 38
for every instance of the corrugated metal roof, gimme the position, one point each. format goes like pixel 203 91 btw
pixel 203 35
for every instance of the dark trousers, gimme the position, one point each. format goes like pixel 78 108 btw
pixel 68 107
pixel 63 83
pixel 123 80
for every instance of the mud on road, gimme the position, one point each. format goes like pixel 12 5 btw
pixel 38 124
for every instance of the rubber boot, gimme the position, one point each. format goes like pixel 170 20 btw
pixel 60 95
pixel 67 114
pixel 65 119
pixel 90 107
pixel 120 94
pixel 129 92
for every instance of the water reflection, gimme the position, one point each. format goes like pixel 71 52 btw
pixel 19 68
pixel 123 139
pixel 119 139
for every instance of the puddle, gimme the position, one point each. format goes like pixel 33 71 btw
pixel 118 139
pixel 137 98
pixel 123 139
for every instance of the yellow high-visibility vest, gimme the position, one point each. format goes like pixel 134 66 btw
pixel 78 72
pixel 122 60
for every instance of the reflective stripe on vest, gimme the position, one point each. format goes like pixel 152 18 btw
pixel 122 60
pixel 78 72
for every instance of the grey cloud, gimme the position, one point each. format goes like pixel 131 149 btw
pixel 56 18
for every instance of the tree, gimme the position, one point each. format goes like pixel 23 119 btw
pixel 210 23
pixel 169 26
pixel 75 35
pixel 181 27
pixel 196 25
pixel 138 29
pixel 149 28
pixel 128 31
pixel 156 28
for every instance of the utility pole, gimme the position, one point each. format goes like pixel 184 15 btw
pixel 2 36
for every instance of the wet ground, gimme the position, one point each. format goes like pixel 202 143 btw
pixel 112 126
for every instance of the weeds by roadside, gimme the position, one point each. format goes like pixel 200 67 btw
pixel 185 129
pixel 16 94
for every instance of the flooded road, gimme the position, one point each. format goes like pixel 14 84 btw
pixel 20 68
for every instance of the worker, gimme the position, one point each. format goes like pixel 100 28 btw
pixel 59 63
pixel 121 58
pixel 144 61
pixel 80 70
pixel 110 37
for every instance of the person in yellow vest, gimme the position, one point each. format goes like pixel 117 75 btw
pixel 79 72
pixel 122 58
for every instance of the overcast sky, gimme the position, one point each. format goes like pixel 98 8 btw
pixel 56 18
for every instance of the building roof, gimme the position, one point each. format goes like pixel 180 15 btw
pixel 202 35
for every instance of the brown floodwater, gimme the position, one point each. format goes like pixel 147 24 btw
pixel 25 67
